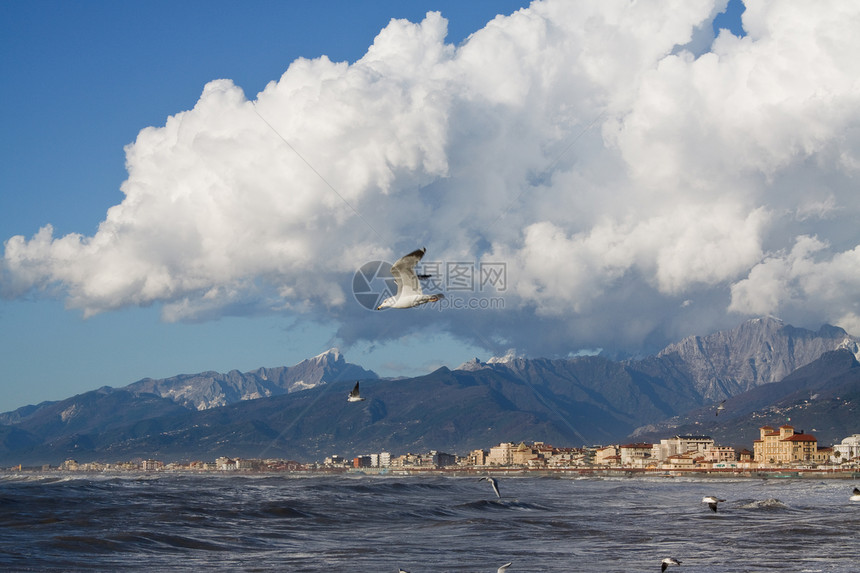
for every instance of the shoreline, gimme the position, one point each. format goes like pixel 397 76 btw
pixel 718 473
pixel 760 473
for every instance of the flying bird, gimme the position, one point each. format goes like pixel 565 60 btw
pixel 493 483
pixel 712 502
pixel 409 291
pixel 669 561
pixel 856 495
pixel 354 396
pixel 721 407
pixel 503 568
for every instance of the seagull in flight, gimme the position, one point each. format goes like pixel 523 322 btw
pixel 669 561
pixel 721 407
pixel 503 568
pixel 712 502
pixel 855 495
pixel 354 396
pixel 495 485
pixel 409 291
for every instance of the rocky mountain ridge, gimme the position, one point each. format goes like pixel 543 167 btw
pixel 723 364
pixel 758 351
pixel 582 400
pixel 213 389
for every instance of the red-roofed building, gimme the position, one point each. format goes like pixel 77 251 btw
pixel 785 446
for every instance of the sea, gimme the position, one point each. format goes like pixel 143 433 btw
pixel 315 523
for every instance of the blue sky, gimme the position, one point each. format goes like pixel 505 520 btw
pixel 81 81
pixel 640 179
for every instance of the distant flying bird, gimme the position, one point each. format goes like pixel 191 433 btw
pixel 712 502
pixel 669 561
pixel 856 496
pixel 402 571
pixel 354 396
pixel 503 568
pixel 495 485
pixel 409 291
pixel 720 408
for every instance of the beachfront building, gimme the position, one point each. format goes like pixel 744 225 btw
pixel 443 460
pixel 784 446
pixel 225 464
pixel 475 458
pixel 847 451
pixel 151 465
pixel 680 445
pixel 607 456
pixel 719 454
pixel 501 455
pixel 407 460
pixel 567 457
pixel 680 461
pixel 333 461
pixel 636 455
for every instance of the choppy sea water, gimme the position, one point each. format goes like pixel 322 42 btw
pixel 421 524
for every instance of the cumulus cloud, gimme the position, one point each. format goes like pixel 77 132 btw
pixel 636 184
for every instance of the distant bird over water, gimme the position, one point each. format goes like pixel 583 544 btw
pixel 669 561
pixel 503 568
pixel 354 396
pixel 409 293
pixel 495 485
pixel 855 495
pixel 712 502
pixel 720 408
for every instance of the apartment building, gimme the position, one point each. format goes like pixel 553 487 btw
pixel 607 456
pixel 636 455
pixel 476 458
pixel 719 454
pixel 501 455
pixel 680 445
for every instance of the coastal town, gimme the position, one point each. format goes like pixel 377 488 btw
pixel 777 449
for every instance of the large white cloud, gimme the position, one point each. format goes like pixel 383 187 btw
pixel 634 189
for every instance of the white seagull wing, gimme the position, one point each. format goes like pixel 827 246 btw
pixel 403 272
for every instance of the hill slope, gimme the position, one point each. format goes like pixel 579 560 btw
pixel 822 398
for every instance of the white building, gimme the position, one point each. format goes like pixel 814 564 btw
pixel 225 464
pixel 849 449
pixel 501 455
pixel 680 445
pixel 636 455
pixel 151 465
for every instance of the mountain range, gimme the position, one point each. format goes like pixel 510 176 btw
pixel 766 370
